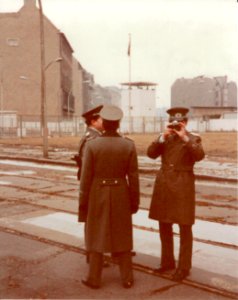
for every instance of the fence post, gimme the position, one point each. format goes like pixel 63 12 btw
pixel 143 124
pixel 59 127
pixel 75 125
pixel 20 125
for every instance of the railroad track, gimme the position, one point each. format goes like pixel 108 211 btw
pixel 136 266
pixel 224 202
pixel 142 170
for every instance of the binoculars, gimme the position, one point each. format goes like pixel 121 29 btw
pixel 175 125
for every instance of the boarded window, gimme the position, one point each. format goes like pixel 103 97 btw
pixel 13 42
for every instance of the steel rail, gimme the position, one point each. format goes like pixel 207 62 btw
pixel 136 266
pixel 142 170
pixel 209 242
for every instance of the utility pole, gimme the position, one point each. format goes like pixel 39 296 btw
pixel 1 96
pixel 129 104
pixel 44 129
pixel 129 111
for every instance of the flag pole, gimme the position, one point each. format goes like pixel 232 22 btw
pixel 129 111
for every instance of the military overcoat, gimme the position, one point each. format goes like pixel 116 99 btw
pixel 109 193
pixel 173 199
pixel 89 134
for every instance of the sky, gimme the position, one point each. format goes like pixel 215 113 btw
pixel 170 39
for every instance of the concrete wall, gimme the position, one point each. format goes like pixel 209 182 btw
pixel 20 63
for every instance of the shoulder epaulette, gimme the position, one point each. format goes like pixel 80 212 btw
pixel 127 138
pixel 92 137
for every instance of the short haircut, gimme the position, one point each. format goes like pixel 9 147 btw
pixel 90 119
pixel 110 125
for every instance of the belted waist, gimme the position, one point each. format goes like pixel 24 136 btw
pixel 176 168
pixel 110 181
pixel 167 166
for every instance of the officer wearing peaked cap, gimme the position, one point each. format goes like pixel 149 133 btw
pixel 173 199
pixel 109 195
pixel 111 113
pixel 90 114
pixel 94 129
pixel 177 113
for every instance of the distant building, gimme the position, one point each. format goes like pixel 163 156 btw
pixel 206 97
pixel 95 94
pixel 140 98
pixel 114 94
pixel 20 66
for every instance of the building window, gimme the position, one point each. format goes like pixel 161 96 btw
pixel 13 42
pixel 68 104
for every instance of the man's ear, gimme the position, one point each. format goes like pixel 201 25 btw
pixel 185 122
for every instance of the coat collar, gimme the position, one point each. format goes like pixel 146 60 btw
pixel 111 133
pixel 92 129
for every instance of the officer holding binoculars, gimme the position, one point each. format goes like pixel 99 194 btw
pixel 173 199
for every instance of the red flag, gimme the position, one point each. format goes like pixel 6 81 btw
pixel 129 47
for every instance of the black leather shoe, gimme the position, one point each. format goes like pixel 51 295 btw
pixel 128 284
pixel 179 275
pixel 162 270
pixel 90 285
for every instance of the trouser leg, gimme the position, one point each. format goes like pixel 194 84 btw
pixel 125 265
pixel 95 268
pixel 167 245
pixel 186 244
pixel 87 253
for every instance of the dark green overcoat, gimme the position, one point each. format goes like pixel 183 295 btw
pixel 173 199
pixel 109 193
pixel 89 134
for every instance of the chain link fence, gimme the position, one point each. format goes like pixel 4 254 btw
pixel 13 125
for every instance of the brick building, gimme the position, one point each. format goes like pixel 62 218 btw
pixel 206 97
pixel 20 66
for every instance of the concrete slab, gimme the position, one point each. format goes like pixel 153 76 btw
pixel 146 243
pixel 37 165
pixel 13 194
pixel 29 183
pixel 17 173
pixel 36 270
pixel 210 231
pixel 4 182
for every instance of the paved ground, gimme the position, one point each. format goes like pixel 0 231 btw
pixel 33 269
pixel 41 263
pixel 42 250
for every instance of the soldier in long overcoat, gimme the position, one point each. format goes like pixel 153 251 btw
pixel 173 199
pixel 109 195
pixel 94 129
